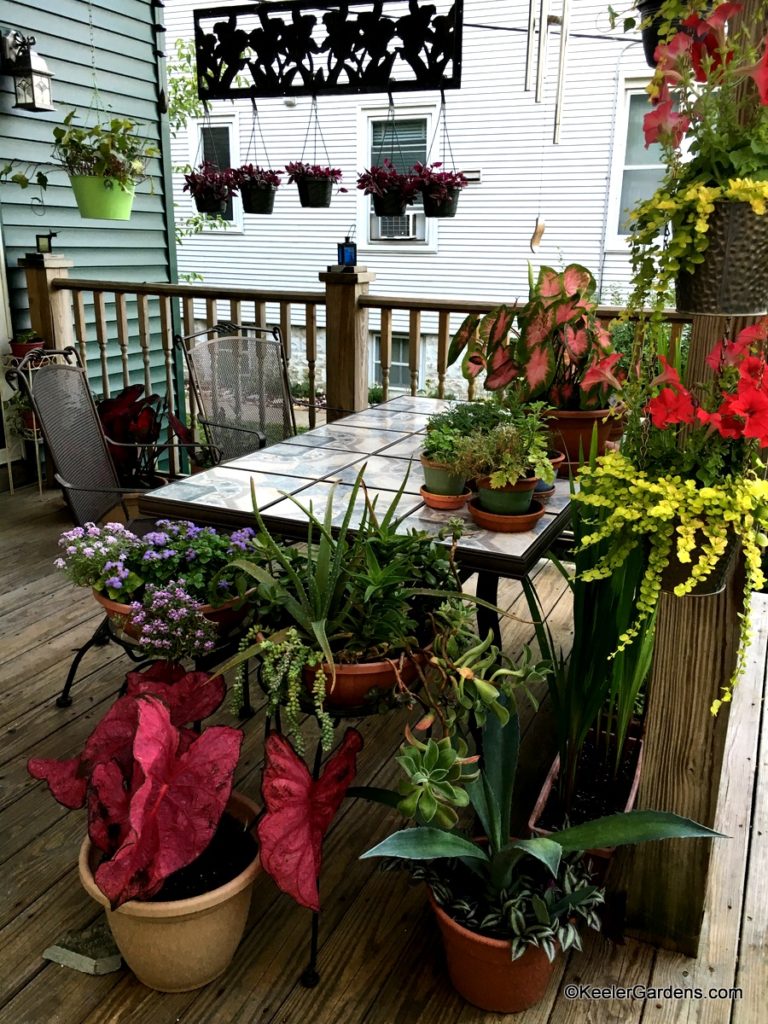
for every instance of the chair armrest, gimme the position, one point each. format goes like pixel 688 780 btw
pixel 231 426
pixel 98 490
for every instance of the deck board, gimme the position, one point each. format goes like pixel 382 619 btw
pixel 380 953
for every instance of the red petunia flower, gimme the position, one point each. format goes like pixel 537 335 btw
pixel 671 406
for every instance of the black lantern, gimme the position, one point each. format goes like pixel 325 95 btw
pixel 347 253
pixel 44 243
pixel 31 77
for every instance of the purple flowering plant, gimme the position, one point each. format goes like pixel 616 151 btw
pixel 170 623
pixel 114 561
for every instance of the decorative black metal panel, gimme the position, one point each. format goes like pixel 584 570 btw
pixel 296 47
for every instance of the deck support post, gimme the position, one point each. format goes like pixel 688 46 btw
pixel 694 656
pixel 50 310
pixel 346 341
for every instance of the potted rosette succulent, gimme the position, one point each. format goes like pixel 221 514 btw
pixel 314 182
pixel 440 189
pixel 257 188
pixel 390 190
pixel 211 187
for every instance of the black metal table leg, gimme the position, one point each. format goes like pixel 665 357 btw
pixel 100 638
pixel 487 590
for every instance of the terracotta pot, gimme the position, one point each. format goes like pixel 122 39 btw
pixel 483 973
pixel 361 684
pixel 444 502
pixel 510 500
pixel 505 523
pixel 733 277
pixel 225 616
pixel 439 478
pixel 181 945
pixel 634 743
pixel 571 432
pixel 19 349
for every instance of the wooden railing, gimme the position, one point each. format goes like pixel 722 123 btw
pixel 132 325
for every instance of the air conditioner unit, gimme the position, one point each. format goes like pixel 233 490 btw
pixel 396 228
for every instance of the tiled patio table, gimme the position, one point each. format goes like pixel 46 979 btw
pixel 386 440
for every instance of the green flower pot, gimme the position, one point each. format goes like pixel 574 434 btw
pixel 440 480
pixel 511 500
pixel 102 198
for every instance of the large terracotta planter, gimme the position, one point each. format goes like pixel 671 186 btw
pixel 571 432
pixel 733 278
pixel 362 684
pixel 181 945
pixel 226 616
pixel 483 973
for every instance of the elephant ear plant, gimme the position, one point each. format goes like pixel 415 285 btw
pixel 530 892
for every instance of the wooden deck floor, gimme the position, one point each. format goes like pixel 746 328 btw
pixel 380 954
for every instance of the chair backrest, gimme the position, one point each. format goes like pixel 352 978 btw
pixel 58 387
pixel 240 380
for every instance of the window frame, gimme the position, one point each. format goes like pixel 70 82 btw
pixel 230 121
pixel 366 117
pixel 629 85
pixel 374 360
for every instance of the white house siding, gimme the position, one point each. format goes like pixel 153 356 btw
pixel 495 127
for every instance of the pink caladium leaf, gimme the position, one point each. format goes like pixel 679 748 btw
pixel 192 697
pixel 299 811
pixel 576 342
pixel 177 808
pixel 538 328
pixel 109 802
pixel 502 370
pixel 496 326
pixel 539 370
pixel 462 337
pixel 66 780
pixel 577 280
pixel 549 285
pixel 474 364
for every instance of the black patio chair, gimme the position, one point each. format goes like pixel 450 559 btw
pixel 240 382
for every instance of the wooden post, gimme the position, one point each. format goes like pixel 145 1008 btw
pixel 50 311
pixel 346 341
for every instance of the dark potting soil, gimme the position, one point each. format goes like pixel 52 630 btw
pixel 231 851
pixel 597 792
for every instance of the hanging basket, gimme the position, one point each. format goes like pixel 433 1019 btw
pixel 733 279
pixel 207 204
pixel 102 198
pixel 442 208
pixel 257 199
pixel 315 192
pixel 391 204
pixel 677 572
pixel 650 9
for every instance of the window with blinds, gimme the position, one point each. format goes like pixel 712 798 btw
pixel 216 149
pixel 404 143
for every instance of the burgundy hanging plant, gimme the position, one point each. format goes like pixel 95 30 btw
pixel 440 189
pixel 391 190
pixel 210 187
pixel 314 182
pixel 257 187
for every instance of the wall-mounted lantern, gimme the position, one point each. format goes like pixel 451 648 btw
pixel 31 77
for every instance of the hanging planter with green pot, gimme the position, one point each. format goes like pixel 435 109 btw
pixel 102 198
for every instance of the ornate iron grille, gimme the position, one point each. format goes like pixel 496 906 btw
pixel 296 48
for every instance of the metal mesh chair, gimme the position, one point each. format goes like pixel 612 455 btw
pixel 240 383
pixel 61 397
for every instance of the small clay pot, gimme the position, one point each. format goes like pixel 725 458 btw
pixel 439 478
pixel 511 499
pixel 445 502
pixel 505 523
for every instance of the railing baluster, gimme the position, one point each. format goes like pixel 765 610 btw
pixel 211 313
pixel 166 337
pixel 310 317
pixel 235 311
pixel 259 313
pixel 385 351
pixel 414 348
pixel 145 340
pixel 285 328
pixel 189 315
pixel 81 331
pixel 99 312
pixel 121 316
pixel 443 339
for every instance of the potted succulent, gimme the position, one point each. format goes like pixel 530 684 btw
pixel 687 485
pixel 169 851
pixel 257 188
pixel 547 356
pixel 506 464
pixel 391 190
pixel 439 189
pixel 314 182
pixel 211 187
pixel 444 473
pixel 506 907
pixel 323 654
pixel 104 163
pixel 703 231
